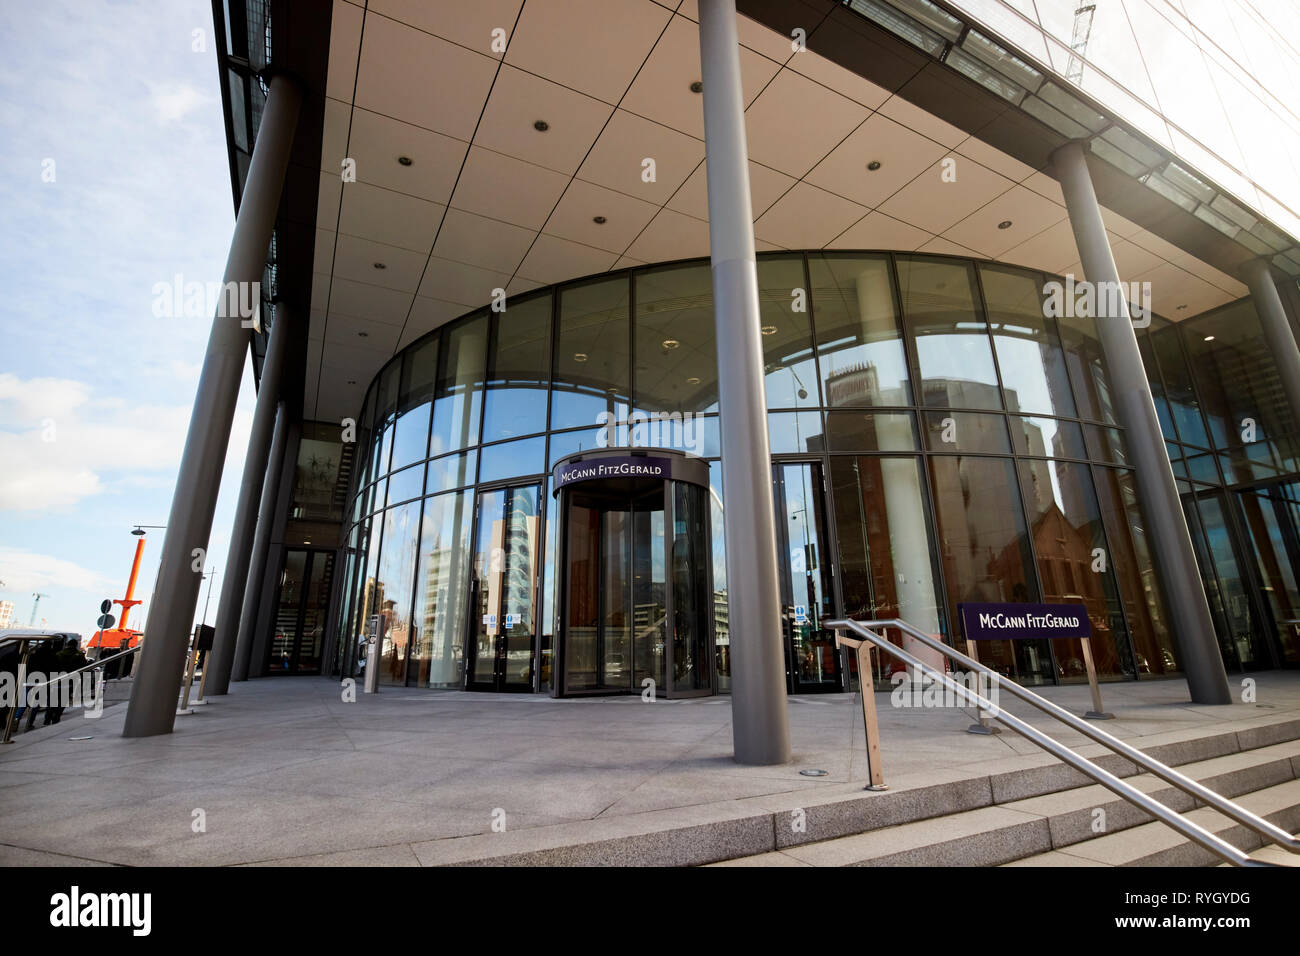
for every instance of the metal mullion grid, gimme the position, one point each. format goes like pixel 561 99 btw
pixel 982 306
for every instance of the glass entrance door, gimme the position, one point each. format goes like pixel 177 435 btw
pixel 300 611
pixel 637 611
pixel 812 664
pixel 507 559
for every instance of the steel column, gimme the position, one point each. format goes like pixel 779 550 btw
pixel 759 718
pixel 252 597
pixel 152 708
pixel 1277 330
pixel 1171 543
pixel 250 493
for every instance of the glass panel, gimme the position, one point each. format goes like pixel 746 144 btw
pixel 614 659
pixel 676 354
pixel 406 484
pixel 520 368
pixel 546 657
pixel 485 594
pixel 393 589
pixel 885 546
pixel 523 557
pixel 285 635
pixel 582 628
pixel 811 648
pixel 569 443
pixel 1179 393
pixel 316 600
pixel 441 590
pixel 790 371
pixel 458 393
pixel 591 359
pixel 691 634
pixel 859 345
pixel 966 432
pixel 984 547
pixel 411 435
pixel 1152 369
pixel 951 338
pixel 721 631
pixel 512 459
pixel 1087 366
pixel 1074 564
pixel 1232 579
pixel 795 432
pixel 451 471
pixel 317 492
pixel 368 601
pixel 1047 437
pixel 870 431
pixel 1130 557
pixel 1028 346
pixel 650 594
pixel 1273 523
pixel 1106 444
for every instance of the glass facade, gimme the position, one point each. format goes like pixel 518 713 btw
pixel 935 440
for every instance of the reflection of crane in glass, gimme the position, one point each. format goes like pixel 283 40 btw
pixel 1079 42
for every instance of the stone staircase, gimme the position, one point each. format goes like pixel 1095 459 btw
pixel 1038 812
pixel 1086 824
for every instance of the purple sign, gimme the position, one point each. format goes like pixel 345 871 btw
pixel 1022 622
pixel 632 466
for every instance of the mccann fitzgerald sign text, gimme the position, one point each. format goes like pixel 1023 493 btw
pixel 1002 622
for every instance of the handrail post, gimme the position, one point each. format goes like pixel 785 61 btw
pixel 19 691
pixel 985 726
pixel 870 725
pixel 1098 712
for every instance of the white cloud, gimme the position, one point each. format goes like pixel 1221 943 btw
pixel 61 444
pixel 174 101
pixel 27 571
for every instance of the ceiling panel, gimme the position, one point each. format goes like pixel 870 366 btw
pixel 362 299
pixel 553 259
pixel 807 218
pixel 403 71
pixel 371 212
pixel 511 190
pixel 456 282
pixel 1016 215
pixel 617 161
pixel 361 260
pixel 574 217
pixel 487 243
pixel 671 235
pixel 519 100
pixel 878 231
pixel 469 24
pixel 933 204
pixel 902 154
pixel 377 143
pixel 766 186
pixel 795 122
pixel 593 46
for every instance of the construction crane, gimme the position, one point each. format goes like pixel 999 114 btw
pixel 31 622
pixel 1079 42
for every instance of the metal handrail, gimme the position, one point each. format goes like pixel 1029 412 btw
pixel 100 662
pixel 1193 831
pixel 1186 784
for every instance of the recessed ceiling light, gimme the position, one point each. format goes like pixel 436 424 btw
pixel 352 381
pixel 769 330
pixel 692 381
pixel 697 87
pixel 380 265
pixel 405 160
pixel 1209 338
pixel 1005 224
pixel 670 344
pixel 873 165
pixel 599 220
pixel 1181 307
pixel 580 356
pixel 363 335
pixel 541 126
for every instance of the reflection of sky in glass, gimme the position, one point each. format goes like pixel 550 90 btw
pixel 1021 361
pixel 960 357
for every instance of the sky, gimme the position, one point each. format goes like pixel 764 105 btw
pixel 115 179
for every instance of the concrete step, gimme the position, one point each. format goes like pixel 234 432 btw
pixel 1154 844
pixel 955 818
pixel 1086 812
pixel 1039 827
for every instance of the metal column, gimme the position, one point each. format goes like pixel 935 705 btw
pixel 152 709
pixel 252 597
pixel 1277 330
pixel 1171 544
pixel 760 723
pixel 250 494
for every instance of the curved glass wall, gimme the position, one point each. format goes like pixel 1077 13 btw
pixel 936 438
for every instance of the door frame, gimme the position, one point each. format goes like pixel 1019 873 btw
pixel 498 684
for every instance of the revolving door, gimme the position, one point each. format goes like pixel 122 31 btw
pixel 636 595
